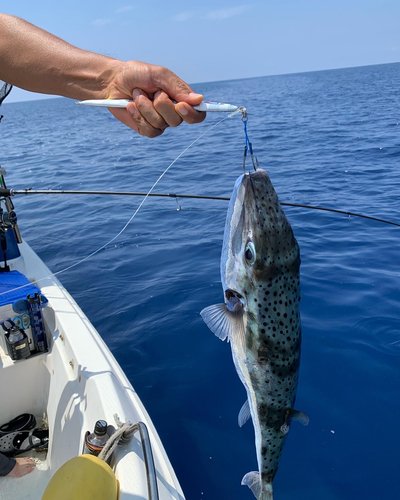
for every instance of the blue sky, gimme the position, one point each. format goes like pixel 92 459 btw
pixel 221 40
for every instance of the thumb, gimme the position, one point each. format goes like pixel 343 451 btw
pixel 178 89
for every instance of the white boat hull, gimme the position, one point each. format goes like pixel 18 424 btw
pixel 75 384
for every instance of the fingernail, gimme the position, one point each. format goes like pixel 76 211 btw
pixel 182 110
pixel 136 93
pixel 132 110
pixel 157 94
pixel 193 94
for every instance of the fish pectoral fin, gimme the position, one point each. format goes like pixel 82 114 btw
pixel 223 323
pixel 298 416
pixel 215 317
pixel 295 416
pixel 252 480
pixel 244 414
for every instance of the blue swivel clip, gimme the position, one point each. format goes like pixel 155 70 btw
pixel 248 145
pixel 244 159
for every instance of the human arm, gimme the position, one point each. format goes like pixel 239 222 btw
pixel 35 60
pixel 6 465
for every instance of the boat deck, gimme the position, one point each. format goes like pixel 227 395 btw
pixel 30 487
pixel 75 384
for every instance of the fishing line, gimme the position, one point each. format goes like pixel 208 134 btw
pixel 239 110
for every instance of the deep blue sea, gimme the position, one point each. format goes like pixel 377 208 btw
pixel 329 138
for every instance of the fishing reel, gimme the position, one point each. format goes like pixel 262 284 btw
pixel 7 219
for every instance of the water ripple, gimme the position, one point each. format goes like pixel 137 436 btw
pixel 327 138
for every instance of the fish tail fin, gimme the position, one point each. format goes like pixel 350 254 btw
pixel 261 492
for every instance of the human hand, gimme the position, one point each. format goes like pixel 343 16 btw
pixel 152 88
pixel 23 466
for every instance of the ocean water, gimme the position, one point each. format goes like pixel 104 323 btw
pixel 328 138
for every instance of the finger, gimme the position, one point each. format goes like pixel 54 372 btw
pixel 132 119
pixel 147 110
pixel 27 464
pixel 166 108
pixel 23 466
pixel 27 461
pixel 140 124
pixel 189 114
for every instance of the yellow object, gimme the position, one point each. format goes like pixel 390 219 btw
pixel 83 478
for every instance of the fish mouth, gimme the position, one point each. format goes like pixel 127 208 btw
pixel 234 300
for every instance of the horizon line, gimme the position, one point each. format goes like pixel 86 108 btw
pixel 53 96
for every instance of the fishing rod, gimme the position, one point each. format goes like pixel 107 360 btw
pixel 12 192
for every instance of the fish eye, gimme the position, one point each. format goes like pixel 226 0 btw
pixel 250 253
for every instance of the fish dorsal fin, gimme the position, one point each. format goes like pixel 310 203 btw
pixel 224 323
pixel 244 413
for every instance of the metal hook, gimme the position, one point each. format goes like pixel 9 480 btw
pixel 177 202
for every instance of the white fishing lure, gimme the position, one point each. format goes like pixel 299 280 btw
pixel 122 103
